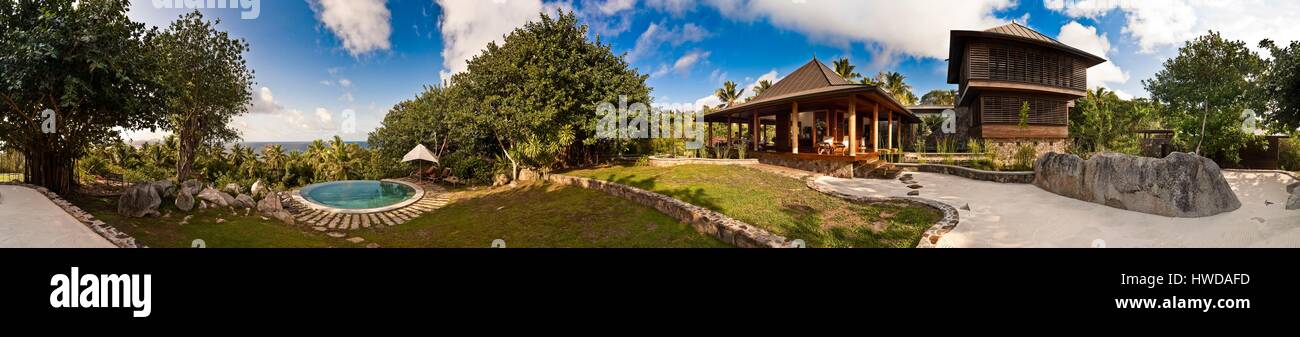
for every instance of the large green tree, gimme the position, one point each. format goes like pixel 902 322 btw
pixel 728 93
pixel 1281 86
pixel 536 94
pixel 844 68
pixel 88 64
pixel 208 84
pixel 1205 90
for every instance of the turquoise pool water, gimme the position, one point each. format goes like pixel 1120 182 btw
pixel 357 194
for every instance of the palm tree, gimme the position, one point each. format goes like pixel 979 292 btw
pixel 728 94
pixel 760 88
pixel 896 85
pixel 274 156
pixel 940 97
pixel 845 69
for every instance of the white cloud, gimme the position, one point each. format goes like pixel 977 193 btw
pixel 713 101
pixel 363 25
pixel 769 76
pixel 469 25
pixel 1155 24
pixel 658 34
pixel 264 103
pixel 324 116
pixel 345 83
pixel 1088 39
pixel 675 7
pixel 688 61
pixel 707 101
pixel 916 27
pixel 347 97
pixel 616 6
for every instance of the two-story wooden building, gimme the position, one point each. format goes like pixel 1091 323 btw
pixel 1001 71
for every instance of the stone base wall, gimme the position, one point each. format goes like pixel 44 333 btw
pixel 834 168
pixel 1004 150
pixel 705 221
pixel 666 162
pixel 1026 177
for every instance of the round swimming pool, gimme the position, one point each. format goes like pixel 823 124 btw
pixel 359 194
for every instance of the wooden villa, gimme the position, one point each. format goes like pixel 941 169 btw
pixel 823 123
pixel 1000 70
pixel 827 124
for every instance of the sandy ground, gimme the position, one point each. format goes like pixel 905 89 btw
pixel 1022 215
pixel 30 220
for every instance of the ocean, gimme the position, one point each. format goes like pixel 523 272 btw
pixel 291 146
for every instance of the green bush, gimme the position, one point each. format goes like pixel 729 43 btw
pixel 1023 159
pixel 1290 154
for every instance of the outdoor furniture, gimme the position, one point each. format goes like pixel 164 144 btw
pixel 420 153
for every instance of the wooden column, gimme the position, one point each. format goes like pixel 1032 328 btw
pixel 709 142
pixel 753 130
pixel 890 126
pixel 853 127
pixel 875 127
pixel 794 127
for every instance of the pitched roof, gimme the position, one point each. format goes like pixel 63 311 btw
pixel 814 75
pixel 1017 30
pixel 1010 31
pixel 810 80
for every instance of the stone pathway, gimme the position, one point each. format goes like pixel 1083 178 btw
pixel 31 218
pixel 435 197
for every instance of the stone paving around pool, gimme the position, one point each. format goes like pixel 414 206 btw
pixel 435 197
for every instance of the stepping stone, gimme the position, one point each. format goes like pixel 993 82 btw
pixel 356 239
pixel 365 221
pixel 319 228
pixel 335 234
pixel 915 187
pixel 966 207
pixel 355 225
pixel 914 193
pixel 372 245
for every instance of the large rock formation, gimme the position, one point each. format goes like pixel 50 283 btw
pixel 258 188
pixel 217 198
pixel 245 201
pixel 271 206
pixel 165 188
pixel 192 186
pixel 1293 202
pixel 233 188
pixel 140 200
pixel 1180 185
pixel 184 200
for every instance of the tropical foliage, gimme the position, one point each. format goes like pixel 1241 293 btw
pixel 1281 84
pixel 530 102
pixel 321 161
pixel 845 69
pixel 1204 91
pixel 209 84
pixel 895 84
pixel 88 64
pixel 1103 122
pixel 728 94
pixel 940 97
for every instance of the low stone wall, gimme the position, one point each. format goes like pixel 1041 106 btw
pixel 929 239
pixel 1004 150
pixel 913 157
pixel 834 168
pixel 1026 177
pixel 117 237
pixel 666 162
pixel 705 221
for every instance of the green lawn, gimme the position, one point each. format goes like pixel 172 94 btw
pixel 528 216
pixel 541 215
pixel 783 205
pixel 238 231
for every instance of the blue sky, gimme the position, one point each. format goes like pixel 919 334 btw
pixel 335 67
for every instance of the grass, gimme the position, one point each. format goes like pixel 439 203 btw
pixel 238 231
pixel 782 205
pixel 528 216
pixel 541 215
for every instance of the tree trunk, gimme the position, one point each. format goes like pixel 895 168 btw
pixel 50 170
pixel 184 161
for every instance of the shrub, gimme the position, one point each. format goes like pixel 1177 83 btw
pixel 1023 160
pixel 1289 152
